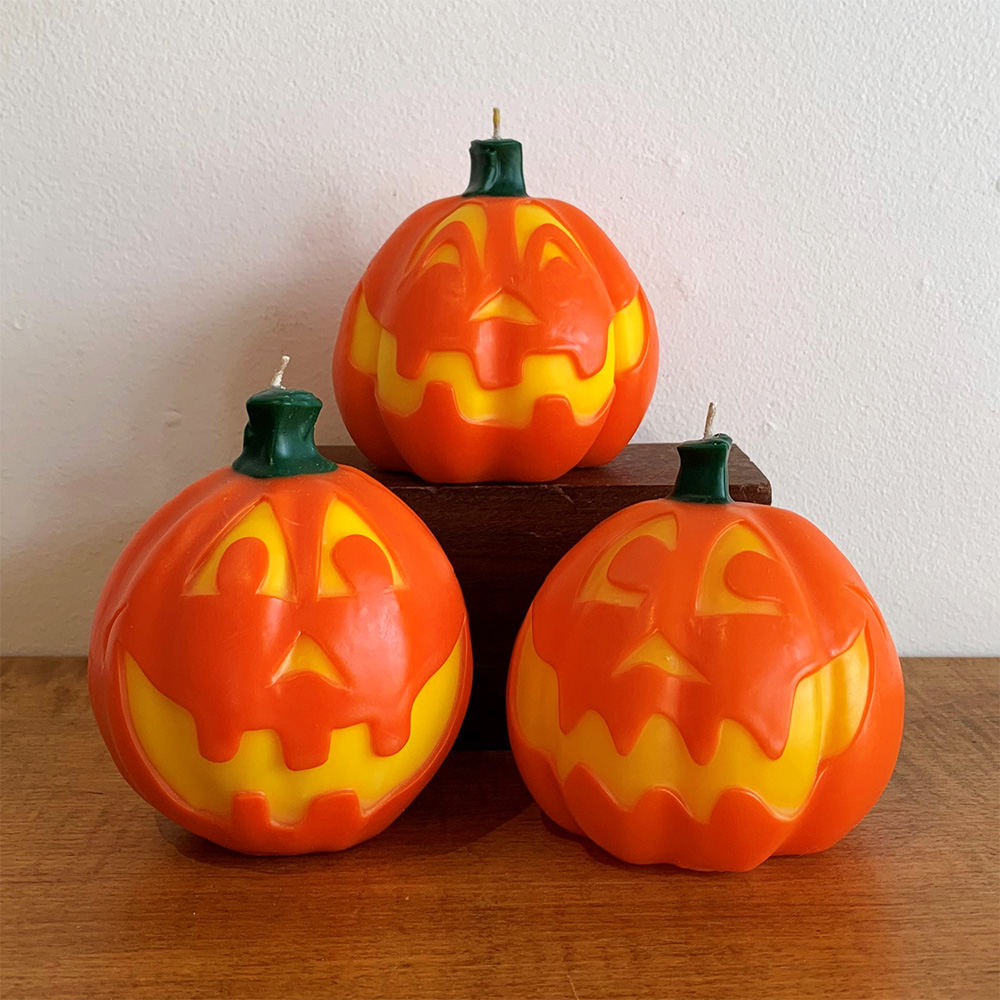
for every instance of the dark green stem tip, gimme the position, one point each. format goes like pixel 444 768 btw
pixel 497 169
pixel 704 471
pixel 278 440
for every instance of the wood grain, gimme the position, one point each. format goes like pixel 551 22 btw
pixel 472 894
pixel 504 538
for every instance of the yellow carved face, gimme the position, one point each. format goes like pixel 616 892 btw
pixel 827 708
pixel 495 327
pixel 500 300
pixel 168 737
pixel 705 663
pixel 374 351
pixel 300 652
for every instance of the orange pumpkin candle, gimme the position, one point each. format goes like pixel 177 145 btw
pixel 705 683
pixel 495 336
pixel 280 657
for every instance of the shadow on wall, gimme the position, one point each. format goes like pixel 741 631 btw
pixel 180 416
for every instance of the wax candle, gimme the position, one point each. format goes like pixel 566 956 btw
pixel 705 683
pixel 495 336
pixel 280 657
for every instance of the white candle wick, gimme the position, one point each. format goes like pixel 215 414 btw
pixel 276 381
pixel 709 419
pixel 496 123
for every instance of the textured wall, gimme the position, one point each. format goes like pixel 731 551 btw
pixel 808 190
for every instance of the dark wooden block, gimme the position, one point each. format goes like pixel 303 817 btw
pixel 503 538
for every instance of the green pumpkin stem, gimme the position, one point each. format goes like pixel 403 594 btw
pixel 704 471
pixel 497 168
pixel 278 440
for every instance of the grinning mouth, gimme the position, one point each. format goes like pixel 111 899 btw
pixel 827 710
pixel 169 738
pixel 374 350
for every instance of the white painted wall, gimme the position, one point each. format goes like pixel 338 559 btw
pixel 809 191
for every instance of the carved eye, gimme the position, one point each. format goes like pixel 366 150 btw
pixel 596 585
pixel 552 251
pixel 465 226
pixel 342 522
pixel 716 595
pixel 261 525
pixel 528 219
pixel 446 253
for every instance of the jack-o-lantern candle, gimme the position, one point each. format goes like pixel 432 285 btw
pixel 495 336
pixel 705 683
pixel 280 657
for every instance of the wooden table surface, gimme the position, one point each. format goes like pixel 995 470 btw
pixel 472 894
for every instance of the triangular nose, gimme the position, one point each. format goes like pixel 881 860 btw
pixel 503 305
pixel 307 655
